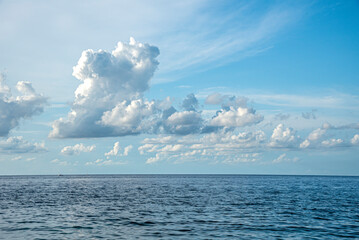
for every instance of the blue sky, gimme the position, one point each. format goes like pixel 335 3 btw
pixel 179 87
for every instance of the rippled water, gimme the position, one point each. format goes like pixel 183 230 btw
pixel 178 206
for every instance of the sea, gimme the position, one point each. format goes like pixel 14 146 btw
pixel 179 207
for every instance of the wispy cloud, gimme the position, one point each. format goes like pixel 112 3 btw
pixel 332 99
pixel 213 38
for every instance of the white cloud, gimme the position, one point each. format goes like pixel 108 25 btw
pixel 228 145
pixel 236 117
pixel 234 112
pixel 317 134
pixel 115 151
pixel 130 117
pixel 314 139
pixel 305 144
pixel 19 145
pixel 111 82
pixel 355 139
pixel 77 149
pixel 109 101
pixel 223 146
pixel 196 34
pixel 13 109
pixel 332 142
pixel 127 150
pixel 183 123
pixel 283 137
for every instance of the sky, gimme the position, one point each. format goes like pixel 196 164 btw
pixel 172 87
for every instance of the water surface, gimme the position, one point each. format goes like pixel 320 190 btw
pixel 179 207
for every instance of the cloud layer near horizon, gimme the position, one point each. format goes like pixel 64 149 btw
pixel 229 146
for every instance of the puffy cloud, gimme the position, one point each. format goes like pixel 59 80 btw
pixel 316 134
pixel 355 139
pixel 283 137
pixel 115 151
pixel 190 103
pixel 126 71
pixel 305 144
pixel 111 82
pixel 332 142
pixel 223 146
pixel 313 139
pixel 77 149
pixel 130 117
pixel 234 112
pixel 110 102
pixel 19 145
pixel 13 109
pixel 227 145
pixel 236 117
pixel 127 150
pixel 183 123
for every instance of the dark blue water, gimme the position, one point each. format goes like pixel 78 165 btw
pixel 179 207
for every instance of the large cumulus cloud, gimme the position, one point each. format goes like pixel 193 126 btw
pixel 13 109
pixel 110 100
pixel 111 82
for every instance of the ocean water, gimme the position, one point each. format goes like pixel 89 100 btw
pixel 179 207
